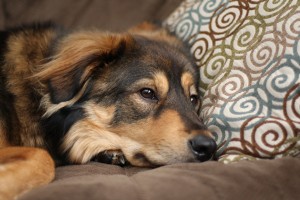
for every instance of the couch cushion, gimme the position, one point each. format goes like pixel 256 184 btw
pixel 266 179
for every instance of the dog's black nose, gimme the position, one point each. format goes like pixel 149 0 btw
pixel 203 147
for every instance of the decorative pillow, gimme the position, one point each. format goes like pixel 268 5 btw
pixel 248 53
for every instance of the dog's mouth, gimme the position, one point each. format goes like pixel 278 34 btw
pixel 117 157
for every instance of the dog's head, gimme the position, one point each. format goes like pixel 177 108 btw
pixel 136 92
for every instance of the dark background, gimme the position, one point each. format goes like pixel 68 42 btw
pixel 113 15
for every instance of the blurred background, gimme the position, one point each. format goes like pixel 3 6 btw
pixel 113 15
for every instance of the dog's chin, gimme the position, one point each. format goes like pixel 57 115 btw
pixel 140 159
pixel 143 160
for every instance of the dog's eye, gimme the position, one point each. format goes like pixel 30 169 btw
pixel 148 93
pixel 194 99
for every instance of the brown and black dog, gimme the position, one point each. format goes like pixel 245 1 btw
pixel 89 95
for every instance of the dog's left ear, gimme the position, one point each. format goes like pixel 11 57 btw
pixel 146 26
pixel 76 57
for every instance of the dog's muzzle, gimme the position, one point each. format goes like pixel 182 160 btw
pixel 203 147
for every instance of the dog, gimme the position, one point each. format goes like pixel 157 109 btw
pixel 118 98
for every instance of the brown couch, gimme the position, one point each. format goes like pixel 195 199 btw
pixel 265 179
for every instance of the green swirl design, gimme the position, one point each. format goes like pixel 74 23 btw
pixel 216 69
pixel 246 38
pixel 249 60
pixel 227 19
pixel 266 55
pixel 271 8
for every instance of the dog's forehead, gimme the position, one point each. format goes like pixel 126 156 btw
pixel 152 56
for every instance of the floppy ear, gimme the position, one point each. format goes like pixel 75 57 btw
pixel 76 58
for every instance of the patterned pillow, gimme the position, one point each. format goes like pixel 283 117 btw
pixel 248 53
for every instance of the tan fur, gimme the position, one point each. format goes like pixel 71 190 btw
pixel 77 47
pixel 52 108
pixel 187 83
pixel 98 137
pixel 159 83
pixel 23 168
pixel 155 139
pixel 162 84
pixel 3 140
pixel 144 137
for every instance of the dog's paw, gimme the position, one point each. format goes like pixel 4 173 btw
pixel 115 157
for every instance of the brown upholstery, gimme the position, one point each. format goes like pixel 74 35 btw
pixel 266 179
pixel 114 15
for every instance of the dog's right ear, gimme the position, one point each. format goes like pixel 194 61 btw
pixel 76 57
pixel 155 32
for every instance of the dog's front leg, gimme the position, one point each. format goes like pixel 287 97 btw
pixel 115 157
